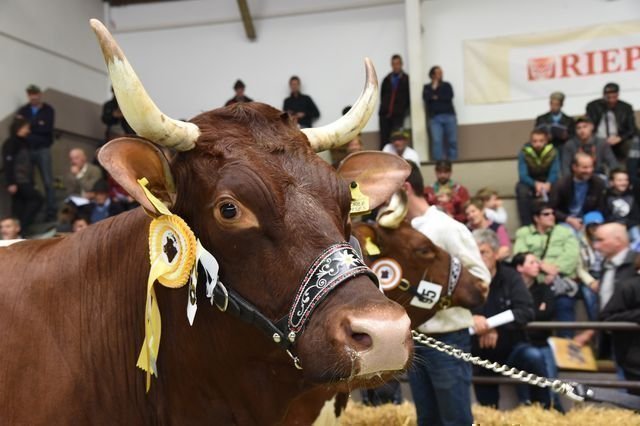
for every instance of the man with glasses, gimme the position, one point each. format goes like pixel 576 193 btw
pixel 558 250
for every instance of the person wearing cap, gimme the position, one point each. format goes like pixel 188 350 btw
pixel 459 194
pixel 101 206
pixel 394 100
pixel 438 99
pixel 41 117
pixel 399 145
pixel 538 169
pixel 557 124
pixel 614 120
pixel 239 97
pixel 585 141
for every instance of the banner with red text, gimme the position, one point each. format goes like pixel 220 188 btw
pixel 576 62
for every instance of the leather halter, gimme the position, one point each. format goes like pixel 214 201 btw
pixel 334 266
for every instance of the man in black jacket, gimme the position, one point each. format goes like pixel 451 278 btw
pixel 113 118
pixel 394 100
pixel 578 193
pixel 41 118
pixel 614 120
pixel 508 343
pixel 558 125
pixel 300 108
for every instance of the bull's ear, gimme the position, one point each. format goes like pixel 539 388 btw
pixel 129 159
pixel 378 174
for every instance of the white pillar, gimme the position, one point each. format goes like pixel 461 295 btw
pixel 416 77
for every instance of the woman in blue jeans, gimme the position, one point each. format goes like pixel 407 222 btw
pixel 438 99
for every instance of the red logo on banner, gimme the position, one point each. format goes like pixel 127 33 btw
pixel 542 68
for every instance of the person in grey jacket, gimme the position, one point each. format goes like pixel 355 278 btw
pixel 586 142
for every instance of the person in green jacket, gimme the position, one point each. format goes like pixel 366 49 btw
pixel 559 252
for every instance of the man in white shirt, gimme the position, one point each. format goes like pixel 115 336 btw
pixel 441 384
pixel 399 145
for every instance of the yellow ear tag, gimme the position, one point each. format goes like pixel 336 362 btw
pixel 370 247
pixel 172 253
pixel 359 201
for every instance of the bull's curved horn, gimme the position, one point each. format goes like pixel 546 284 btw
pixel 392 215
pixel 137 107
pixel 349 125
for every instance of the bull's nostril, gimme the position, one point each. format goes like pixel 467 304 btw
pixel 362 341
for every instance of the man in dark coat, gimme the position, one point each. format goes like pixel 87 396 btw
pixel 614 120
pixel 394 100
pixel 300 108
pixel 41 118
pixel 578 193
pixel 113 118
pixel 558 125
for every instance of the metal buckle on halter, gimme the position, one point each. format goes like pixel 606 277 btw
pixel 296 360
pixel 404 285
pixel 224 306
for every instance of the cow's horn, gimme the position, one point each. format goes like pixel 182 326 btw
pixel 392 215
pixel 137 107
pixel 349 125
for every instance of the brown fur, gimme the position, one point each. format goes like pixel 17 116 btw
pixel 71 309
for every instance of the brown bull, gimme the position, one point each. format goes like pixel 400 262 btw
pixel 418 259
pixel 250 186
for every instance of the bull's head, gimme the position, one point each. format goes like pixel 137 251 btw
pixel 416 273
pixel 250 185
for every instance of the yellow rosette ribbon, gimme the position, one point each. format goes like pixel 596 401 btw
pixel 172 253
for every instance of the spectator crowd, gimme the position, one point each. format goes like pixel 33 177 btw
pixel 577 202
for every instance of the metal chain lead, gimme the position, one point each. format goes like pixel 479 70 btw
pixel 557 386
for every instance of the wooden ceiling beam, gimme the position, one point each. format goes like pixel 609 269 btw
pixel 246 19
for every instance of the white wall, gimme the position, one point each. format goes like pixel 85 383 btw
pixel 192 67
pixel 49 43
pixel 448 23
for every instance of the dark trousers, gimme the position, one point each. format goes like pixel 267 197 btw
pixel 524 356
pixel 525 196
pixel 388 125
pixel 25 204
pixel 41 159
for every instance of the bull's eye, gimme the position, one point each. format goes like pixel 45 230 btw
pixel 228 210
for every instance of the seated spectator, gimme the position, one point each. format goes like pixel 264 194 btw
pixel 118 193
pixel 624 305
pixel 538 169
pixel 506 344
pixel 578 193
pixel 612 240
pixel 101 206
pixel 478 220
pixel 445 201
pixel 80 223
pixel 26 201
pixel 10 228
pixel 590 266
pixel 459 194
pixel 82 175
pixel 493 209
pixel 528 265
pixel 400 145
pixel 558 125
pixel 557 248
pixel 594 146
pixel 239 97
pixel 621 204
pixel 614 120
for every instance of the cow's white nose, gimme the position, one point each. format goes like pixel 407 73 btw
pixel 382 344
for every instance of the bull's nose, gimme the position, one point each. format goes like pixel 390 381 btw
pixel 383 344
